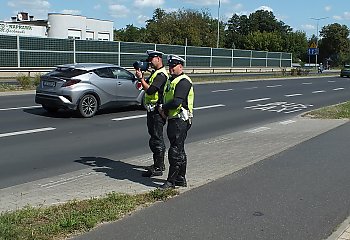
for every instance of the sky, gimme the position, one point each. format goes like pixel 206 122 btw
pixel 304 15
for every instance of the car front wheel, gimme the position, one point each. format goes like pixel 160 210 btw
pixel 88 106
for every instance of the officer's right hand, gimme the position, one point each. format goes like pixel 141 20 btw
pixel 138 73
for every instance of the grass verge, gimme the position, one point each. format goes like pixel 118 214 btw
pixel 74 217
pixel 339 111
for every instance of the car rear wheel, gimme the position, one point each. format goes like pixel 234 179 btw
pixel 88 106
pixel 50 109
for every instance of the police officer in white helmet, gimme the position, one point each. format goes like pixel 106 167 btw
pixel 154 86
pixel 178 109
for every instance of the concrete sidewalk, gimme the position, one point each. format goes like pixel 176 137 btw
pixel 225 155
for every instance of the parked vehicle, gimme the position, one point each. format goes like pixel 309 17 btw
pixel 87 88
pixel 345 71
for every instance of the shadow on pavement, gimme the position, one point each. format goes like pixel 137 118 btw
pixel 119 170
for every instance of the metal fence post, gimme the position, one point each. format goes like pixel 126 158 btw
pixel 267 54
pixel 211 57
pixel 74 52
pixel 186 55
pixel 251 57
pixel 119 53
pixel 280 59
pixel 232 51
pixel 18 53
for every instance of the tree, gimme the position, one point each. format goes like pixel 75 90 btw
pixel 129 34
pixel 199 28
pixel 335 43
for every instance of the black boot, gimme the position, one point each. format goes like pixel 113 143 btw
pixel 158 162
pixel 170 182
pixel 152 172
pixel 181 179
pixel 168 185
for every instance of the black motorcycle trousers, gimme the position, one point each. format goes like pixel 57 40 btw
pixel 177 133
pixel 155 125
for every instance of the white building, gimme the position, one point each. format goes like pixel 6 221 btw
pixel 79 27
pixel 59 26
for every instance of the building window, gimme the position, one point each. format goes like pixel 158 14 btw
pixel 103 36
pixel 74 34
pixel 89 35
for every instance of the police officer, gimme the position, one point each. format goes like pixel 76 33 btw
pixel 154 87
pixel 178 108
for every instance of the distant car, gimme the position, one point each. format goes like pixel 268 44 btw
pixel 345 71
pixel 87 88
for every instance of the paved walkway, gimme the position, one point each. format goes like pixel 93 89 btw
pixel 234 151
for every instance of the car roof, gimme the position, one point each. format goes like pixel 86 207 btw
pixel 347 65
pixel 87 66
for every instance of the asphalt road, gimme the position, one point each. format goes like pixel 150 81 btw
pixel 301 193
pixel 60 140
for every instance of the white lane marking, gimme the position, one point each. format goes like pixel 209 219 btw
pixel 337 89
pixel 17 108
pixel 258 100
pixel 257 130
pixel 307 83
pixel 287 122
pixel 273 86
pixel 145 115
pixel 293 95
pixel 250 88
pixel 320 91
pixel 211 106
pixel 130 117
pixel 222 90
pixel 331 81
pixel 26 132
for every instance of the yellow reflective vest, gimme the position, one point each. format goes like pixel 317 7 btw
pixel 153 99
pixel 169 91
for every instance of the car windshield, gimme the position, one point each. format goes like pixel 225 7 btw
pixel 66 72
pixel 346 66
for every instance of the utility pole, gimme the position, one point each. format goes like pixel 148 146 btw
pixel 217 42
pixel 317 19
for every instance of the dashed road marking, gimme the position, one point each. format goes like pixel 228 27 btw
pixel 273 86
pixel 211 106
pixel 18 108
pixel 258 100
pixel 222 90
pixel 250 88
pixel 337 89
pixel 293 95
pixel 26 132
pixel 307 83
pixel 129 117
pixel 145 115
pixel 320 91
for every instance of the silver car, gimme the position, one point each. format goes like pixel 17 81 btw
pixel 88 87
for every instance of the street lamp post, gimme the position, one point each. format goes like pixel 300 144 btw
pixel 317 19
pixel 217 42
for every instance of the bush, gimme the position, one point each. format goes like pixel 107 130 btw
pixel 36 81
pixel 24 81
pixel 293 71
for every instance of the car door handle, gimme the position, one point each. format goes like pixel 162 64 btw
pixel 119 83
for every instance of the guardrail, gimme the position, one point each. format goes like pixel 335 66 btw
pixel 30 71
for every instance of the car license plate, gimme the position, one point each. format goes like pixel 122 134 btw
pixel 49 84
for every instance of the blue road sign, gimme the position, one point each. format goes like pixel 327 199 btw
pixel 312 51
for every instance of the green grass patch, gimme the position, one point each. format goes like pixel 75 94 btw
pixel 339 111
pixel 61 221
